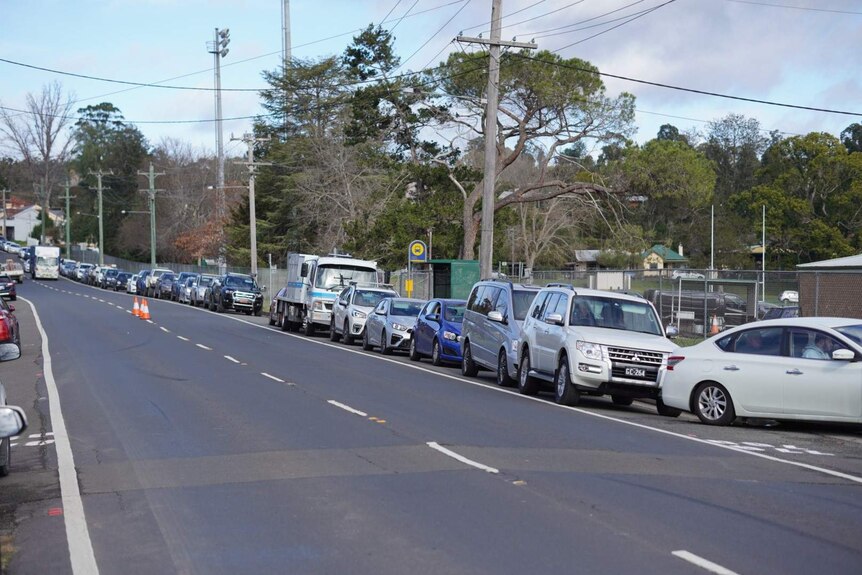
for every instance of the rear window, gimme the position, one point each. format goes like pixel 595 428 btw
pixel 522 300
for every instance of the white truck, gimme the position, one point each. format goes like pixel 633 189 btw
pixel 13 269
pixel 45 263
pixel 313 283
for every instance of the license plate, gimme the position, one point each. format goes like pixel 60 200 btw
pixel 243 300
pixel 635 372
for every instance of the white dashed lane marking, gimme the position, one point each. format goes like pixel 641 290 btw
pixel 229 358
pixel 182 338
pixel 347 408
pixel 202 346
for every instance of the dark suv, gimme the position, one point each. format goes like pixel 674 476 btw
pixel 492 323
pixel 236 291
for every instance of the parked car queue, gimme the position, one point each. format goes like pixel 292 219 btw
pixel 574 342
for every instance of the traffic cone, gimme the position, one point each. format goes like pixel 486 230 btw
pixel 145 309
pixel 136 310
pixel 714 328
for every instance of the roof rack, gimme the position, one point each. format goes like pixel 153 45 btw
pixel 561 285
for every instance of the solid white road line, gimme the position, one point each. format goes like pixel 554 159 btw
pixel 703 563
pixel 347 408
pixel 202 346
pixel 77 533
pixel 272 377
pixel 229 358
pixel 461 458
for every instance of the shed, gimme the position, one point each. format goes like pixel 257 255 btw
pixel 453 278
pixel 662 257
pixel 831 287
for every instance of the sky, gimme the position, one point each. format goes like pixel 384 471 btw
pixel 800 52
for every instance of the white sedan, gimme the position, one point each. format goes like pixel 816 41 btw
pixel 793 368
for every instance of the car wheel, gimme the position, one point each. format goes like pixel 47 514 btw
pixel 271 319
pixel 6 447
pixel 414 355
pixel 527 384
pixel 565 391
pixel 366 345
pixel 219 307
pixel 348 339
pixel 308 327
pixel 257 313
pixel 666 411
pixel 468 366
pixel 503 377
pixel 285 326
pixel 14 298
pixel 435 353
pixel 622 400
pixel 712 404
pixel 384 346
pixel 333 335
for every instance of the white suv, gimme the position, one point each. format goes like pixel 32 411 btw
pixel 594 342
pixel 351 309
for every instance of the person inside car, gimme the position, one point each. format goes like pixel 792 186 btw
pixel 820 349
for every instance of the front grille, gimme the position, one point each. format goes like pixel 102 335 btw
pixel 635 356
pixel 327 305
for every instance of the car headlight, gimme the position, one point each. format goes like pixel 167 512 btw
pixel 318 306
pixel 451 336
pixel 400 327
pixel 590 350
pixel 358 314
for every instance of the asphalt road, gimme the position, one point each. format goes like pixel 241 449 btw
pixel 207 443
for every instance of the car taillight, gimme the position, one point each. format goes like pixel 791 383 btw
pixel 4 329
pixel 673 361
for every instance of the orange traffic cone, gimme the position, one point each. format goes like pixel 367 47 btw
pixel 714 328
pixel 136 310
pixel 145 309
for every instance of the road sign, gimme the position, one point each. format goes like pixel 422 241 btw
pixel 418 252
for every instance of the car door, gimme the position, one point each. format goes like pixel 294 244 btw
pixel 374 323
pixel 543 336
pixel 339 307
pixel 820 387
pixel 754 370
pixel 427 327
pixel 483 338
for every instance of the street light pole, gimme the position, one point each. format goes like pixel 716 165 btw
pixel 219 50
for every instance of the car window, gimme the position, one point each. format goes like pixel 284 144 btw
pixel 550 304
pixel 381 307
pixel 369 298
pixel 582 313
pixel 538 302
pixel 811 344
pixel 760 341
pixel 521 300
pixel 432 308
pixel 239 282
pixel 406 308
pixel 454 313
pixel 502 303
pixel 474 297
pixel 206 281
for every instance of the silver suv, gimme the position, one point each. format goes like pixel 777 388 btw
pixel 492 325
pixel 351 309
pixel 595 342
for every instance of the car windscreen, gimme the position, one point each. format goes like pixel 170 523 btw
pixel 341 276
pixel 853 332
pixel 454 313
pixel 615 313
pixel 205 281
pixel 522 300
pixel 366 298
pixel 406 308
pixel 239 282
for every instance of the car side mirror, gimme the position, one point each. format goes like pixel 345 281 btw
pixel 843 355
pixel 433 317
pixel 671 331
pixel 12 420
pixel 380 312
pixel 554 319
pixel 496 316
pixel 9 351
pixel 11 307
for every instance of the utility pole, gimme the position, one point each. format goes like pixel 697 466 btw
pixel 151 202
pixel 219 50
pixel 67 197
pixel 100 189
pixel 249 139
pixel 4 192
pixel 486 249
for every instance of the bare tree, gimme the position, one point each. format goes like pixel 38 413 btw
pixel 36 134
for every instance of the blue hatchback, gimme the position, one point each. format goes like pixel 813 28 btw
pixel 438 330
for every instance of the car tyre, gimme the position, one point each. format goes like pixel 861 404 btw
pixel 7 459
pixel 435 353
pixel 713 405
pixel 384 347
pixel 333 335
pixel 366 345
pixel 527 385
pixel 468 366
pixel 622 400
pixel 665 410
pixel 503 377
pixel 348 339
pixel 414 355
pixel 565 392
pixel 308 327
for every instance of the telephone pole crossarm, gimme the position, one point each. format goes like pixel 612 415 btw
pixel 250 140
pixel 489 42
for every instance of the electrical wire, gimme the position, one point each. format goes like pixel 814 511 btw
pixel 536 34
pixel 412 6
pixel 464 5
pixel 632 19
pixel 795 7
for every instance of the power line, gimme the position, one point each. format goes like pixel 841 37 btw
pixel 530 19
pixel 464 5
pixel 795 7
pixel 412 6
pixel 590 26
pixel 538 32
pixel 632 19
